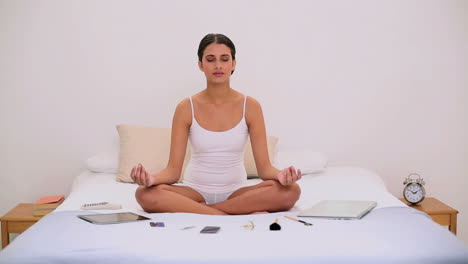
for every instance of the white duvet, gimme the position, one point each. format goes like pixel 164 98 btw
pixel 390 233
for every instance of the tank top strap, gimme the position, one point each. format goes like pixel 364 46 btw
pixel 245 101
pixel 191 105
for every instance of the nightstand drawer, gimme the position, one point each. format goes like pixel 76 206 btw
pixel 441 219
pixel 19 227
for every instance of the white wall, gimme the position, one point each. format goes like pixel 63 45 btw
pixel 376 84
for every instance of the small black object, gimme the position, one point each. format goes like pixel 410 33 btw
pixel 157 224
pixel 275 226
pixel 210 230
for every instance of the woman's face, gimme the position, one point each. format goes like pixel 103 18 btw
pixel 217 63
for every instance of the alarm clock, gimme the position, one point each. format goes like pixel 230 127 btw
pixel 414 191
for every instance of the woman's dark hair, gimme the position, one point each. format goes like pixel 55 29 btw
pixel 219 39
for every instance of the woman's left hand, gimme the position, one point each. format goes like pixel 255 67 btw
pixel 289 176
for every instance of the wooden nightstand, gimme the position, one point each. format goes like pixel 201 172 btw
pixel 438 211
pixel 17 220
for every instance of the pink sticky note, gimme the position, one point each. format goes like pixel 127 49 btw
pixel 49 199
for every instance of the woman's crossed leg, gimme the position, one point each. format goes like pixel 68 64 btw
pixel 268 195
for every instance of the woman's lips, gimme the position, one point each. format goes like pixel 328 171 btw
pixel 218 74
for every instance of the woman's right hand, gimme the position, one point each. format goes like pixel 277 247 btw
pixel 141 176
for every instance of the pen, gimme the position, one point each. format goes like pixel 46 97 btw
pixel 298 220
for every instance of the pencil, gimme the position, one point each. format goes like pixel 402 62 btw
pixel 298 220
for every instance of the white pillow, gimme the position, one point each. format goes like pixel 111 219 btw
pixel 105 162
pixel 309 161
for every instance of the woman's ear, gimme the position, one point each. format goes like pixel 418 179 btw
pixel 234 65
pixel 200 66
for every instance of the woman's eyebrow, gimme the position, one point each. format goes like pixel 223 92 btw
pixel 222 55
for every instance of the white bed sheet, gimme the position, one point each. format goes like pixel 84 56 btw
pixel 339 183
pixel 386 235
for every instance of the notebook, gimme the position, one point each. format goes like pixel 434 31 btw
pixel 339 209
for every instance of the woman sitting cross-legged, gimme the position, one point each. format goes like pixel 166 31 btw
pixel 217 121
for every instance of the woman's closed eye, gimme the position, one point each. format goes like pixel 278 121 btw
pixel 212 60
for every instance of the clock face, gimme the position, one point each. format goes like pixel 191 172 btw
pixel 414 193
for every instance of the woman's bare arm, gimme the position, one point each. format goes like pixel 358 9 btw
pixel 258 140
pixel 179 137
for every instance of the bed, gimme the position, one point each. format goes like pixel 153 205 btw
pixel 391 233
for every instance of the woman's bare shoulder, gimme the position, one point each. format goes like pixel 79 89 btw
pixel 253 110
pixel 252 106
pixel 184 103
pixel 184 111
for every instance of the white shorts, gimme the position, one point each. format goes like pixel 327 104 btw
pixel 210 198
pixel 213 198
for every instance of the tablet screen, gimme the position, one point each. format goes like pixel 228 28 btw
pixel 113 218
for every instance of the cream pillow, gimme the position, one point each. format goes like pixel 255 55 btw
pixel 149 146
pixel 249 161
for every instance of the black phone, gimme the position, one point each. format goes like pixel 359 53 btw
pixel 210 230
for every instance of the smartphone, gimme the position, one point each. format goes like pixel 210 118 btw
pixel 210 230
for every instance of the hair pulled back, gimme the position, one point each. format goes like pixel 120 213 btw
pixel 218 39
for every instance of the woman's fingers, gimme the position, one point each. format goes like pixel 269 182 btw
pixel 142 175
pixel 285 176
pixel 295 174
pixel 150 178
pixel 282 177
pixel 136 177
pixel 147 179
pixel 132 174
pixel 288 177
pixel 143 178
pixel 138 174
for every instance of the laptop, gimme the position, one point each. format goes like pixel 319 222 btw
pixel 339 209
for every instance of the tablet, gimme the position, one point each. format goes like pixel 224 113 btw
pixel 113 218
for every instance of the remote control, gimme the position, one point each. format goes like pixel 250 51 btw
pixel 100 206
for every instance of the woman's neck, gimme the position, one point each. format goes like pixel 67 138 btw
pixel 219 93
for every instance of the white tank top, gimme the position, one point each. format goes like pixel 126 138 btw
pixel 217 162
